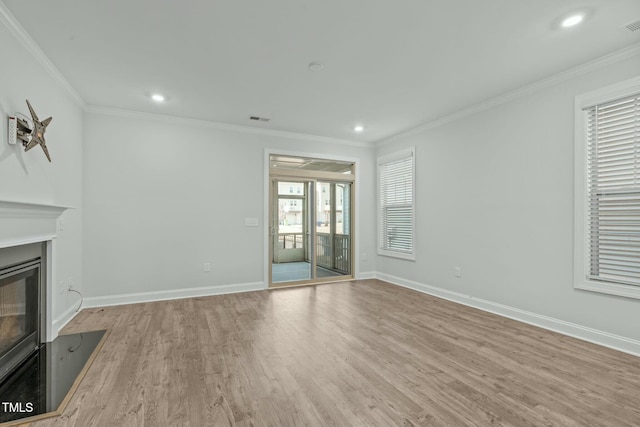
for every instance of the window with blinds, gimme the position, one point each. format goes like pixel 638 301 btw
pixel 607 190
pixel 396 204
pixel 613 191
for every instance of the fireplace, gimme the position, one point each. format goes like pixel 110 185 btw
pixel 28 234
pixel 20 305
pixel 43 366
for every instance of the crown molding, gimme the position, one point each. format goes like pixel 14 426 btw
pixel 18 31
pixel 130 114
pixel 611 58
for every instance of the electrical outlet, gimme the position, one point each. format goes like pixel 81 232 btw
pixel 363 257
pixel 457 271
pixel 70 284
pixel 207 266
pixel 63 286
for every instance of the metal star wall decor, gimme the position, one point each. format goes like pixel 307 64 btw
pixel 37 133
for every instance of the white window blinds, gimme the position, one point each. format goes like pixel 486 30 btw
pixel 613 191
pixel 396 209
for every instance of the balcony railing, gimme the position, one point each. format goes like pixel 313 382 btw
pixel 334 257
pixel 290 241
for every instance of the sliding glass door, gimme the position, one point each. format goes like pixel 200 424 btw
pixel 310 228
pixel 333 237
pixel 290 231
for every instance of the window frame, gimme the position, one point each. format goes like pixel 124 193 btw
pixel 581 212
pixel 388 158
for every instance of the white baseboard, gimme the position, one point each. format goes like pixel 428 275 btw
pixel 62 320
pixel 616 342
pixel 364 275
pixel 138 297
pixel 584 333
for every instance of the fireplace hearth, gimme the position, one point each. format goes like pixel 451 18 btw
pixel 41 384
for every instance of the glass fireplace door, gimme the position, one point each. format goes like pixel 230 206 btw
pixel 19 314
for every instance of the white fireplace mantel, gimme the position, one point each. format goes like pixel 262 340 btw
pixel 22 223
pixel 9 209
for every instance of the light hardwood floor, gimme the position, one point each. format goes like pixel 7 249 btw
pixel 354 353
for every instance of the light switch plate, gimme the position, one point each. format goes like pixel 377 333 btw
pixel 251 222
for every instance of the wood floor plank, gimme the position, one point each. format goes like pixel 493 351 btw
pixel 353 353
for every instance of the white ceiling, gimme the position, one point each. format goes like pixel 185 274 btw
pixel 388 64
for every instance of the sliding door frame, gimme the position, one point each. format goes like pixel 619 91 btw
pixel 313 176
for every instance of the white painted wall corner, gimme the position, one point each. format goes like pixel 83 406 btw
pixel 62 320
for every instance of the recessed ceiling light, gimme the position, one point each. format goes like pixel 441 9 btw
pixel 358 128
pixel 157 97
pixel 572 20
pixel 315 66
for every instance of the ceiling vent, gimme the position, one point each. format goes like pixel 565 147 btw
pixel 634 26
pixel 260 119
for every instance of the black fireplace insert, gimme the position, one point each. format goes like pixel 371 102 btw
pixel 19 313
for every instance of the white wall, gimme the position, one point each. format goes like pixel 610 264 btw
pixel 29 177
pixel 163 196
pixel 495 197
